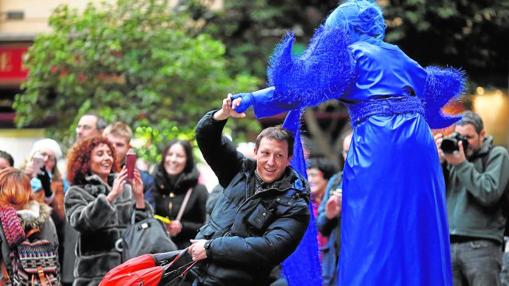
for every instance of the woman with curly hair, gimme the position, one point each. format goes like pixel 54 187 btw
pixel 20 215
pixel 99 205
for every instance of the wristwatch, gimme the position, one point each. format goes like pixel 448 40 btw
pixel 207 244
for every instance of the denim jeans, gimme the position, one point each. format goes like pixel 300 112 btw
pixel 476 263
pixel 504 276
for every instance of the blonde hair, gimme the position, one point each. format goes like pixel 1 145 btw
pixel 119 129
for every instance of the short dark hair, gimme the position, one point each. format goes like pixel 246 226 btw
pixel 470 117
pixel 7 157
pixel 188 149
pixel 277 133
pixel 324 165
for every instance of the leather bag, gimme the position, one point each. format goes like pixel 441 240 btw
pixel 144 237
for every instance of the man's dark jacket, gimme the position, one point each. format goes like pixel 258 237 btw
pixel 249 233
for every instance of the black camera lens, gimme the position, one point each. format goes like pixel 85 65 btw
pixel 449 145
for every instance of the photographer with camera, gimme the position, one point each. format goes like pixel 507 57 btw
pixel 476 174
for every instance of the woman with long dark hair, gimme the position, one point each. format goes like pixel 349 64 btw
pixel 176 178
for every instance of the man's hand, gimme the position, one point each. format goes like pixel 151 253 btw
pixel 439 137
pixel 197 249
pixel 333 206
pixel 227 109
pixel 457 157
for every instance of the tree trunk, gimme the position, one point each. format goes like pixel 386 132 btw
pixel 320 138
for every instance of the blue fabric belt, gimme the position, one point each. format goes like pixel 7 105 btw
pixel 386 106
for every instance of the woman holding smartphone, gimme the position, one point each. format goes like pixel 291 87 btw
pixel 99 205
pixel 48 185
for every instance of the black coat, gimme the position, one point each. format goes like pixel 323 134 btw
pixel 250 233
pixel 168 200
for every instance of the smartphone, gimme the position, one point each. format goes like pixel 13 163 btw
pixel 130 162
pixel 37 163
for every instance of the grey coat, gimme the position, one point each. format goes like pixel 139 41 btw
pixel 100 224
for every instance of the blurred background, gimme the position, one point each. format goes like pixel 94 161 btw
pixel 159 65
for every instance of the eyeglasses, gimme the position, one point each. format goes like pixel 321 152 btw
pixel 47 155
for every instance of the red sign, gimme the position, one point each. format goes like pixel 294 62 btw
pixel 11 64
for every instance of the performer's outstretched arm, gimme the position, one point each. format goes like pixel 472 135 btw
pixel 322 73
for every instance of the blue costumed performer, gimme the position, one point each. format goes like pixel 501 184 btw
pixel 394 220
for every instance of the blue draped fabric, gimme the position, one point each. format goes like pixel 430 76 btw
pixel 303 266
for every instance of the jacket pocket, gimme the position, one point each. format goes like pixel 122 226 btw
pixel 260 217
pixel 207 231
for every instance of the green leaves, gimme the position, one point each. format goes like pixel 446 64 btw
pixel 135 61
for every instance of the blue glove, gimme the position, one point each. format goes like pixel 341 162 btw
pixel 260 98
pixel 247 99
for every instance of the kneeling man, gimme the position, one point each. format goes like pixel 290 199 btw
pixel 263 212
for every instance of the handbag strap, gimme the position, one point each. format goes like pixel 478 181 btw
pixel 33 231
pixel 181 253
pixel 184 268
pixel 184 204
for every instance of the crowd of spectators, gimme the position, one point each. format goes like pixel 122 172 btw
pixel 95 187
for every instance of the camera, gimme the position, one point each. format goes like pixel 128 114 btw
pixel 450 143
pixel 37 163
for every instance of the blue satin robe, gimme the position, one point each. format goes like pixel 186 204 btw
pixel 394 220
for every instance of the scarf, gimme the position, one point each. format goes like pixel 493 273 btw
pixel 11 226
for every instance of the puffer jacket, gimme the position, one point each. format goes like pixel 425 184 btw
pixel 168 199
pixel 99 224
pixel 249 233
pixel 475 191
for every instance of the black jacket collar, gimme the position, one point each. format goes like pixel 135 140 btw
pixel 182 184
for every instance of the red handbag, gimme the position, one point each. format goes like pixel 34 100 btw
pixel 168 268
